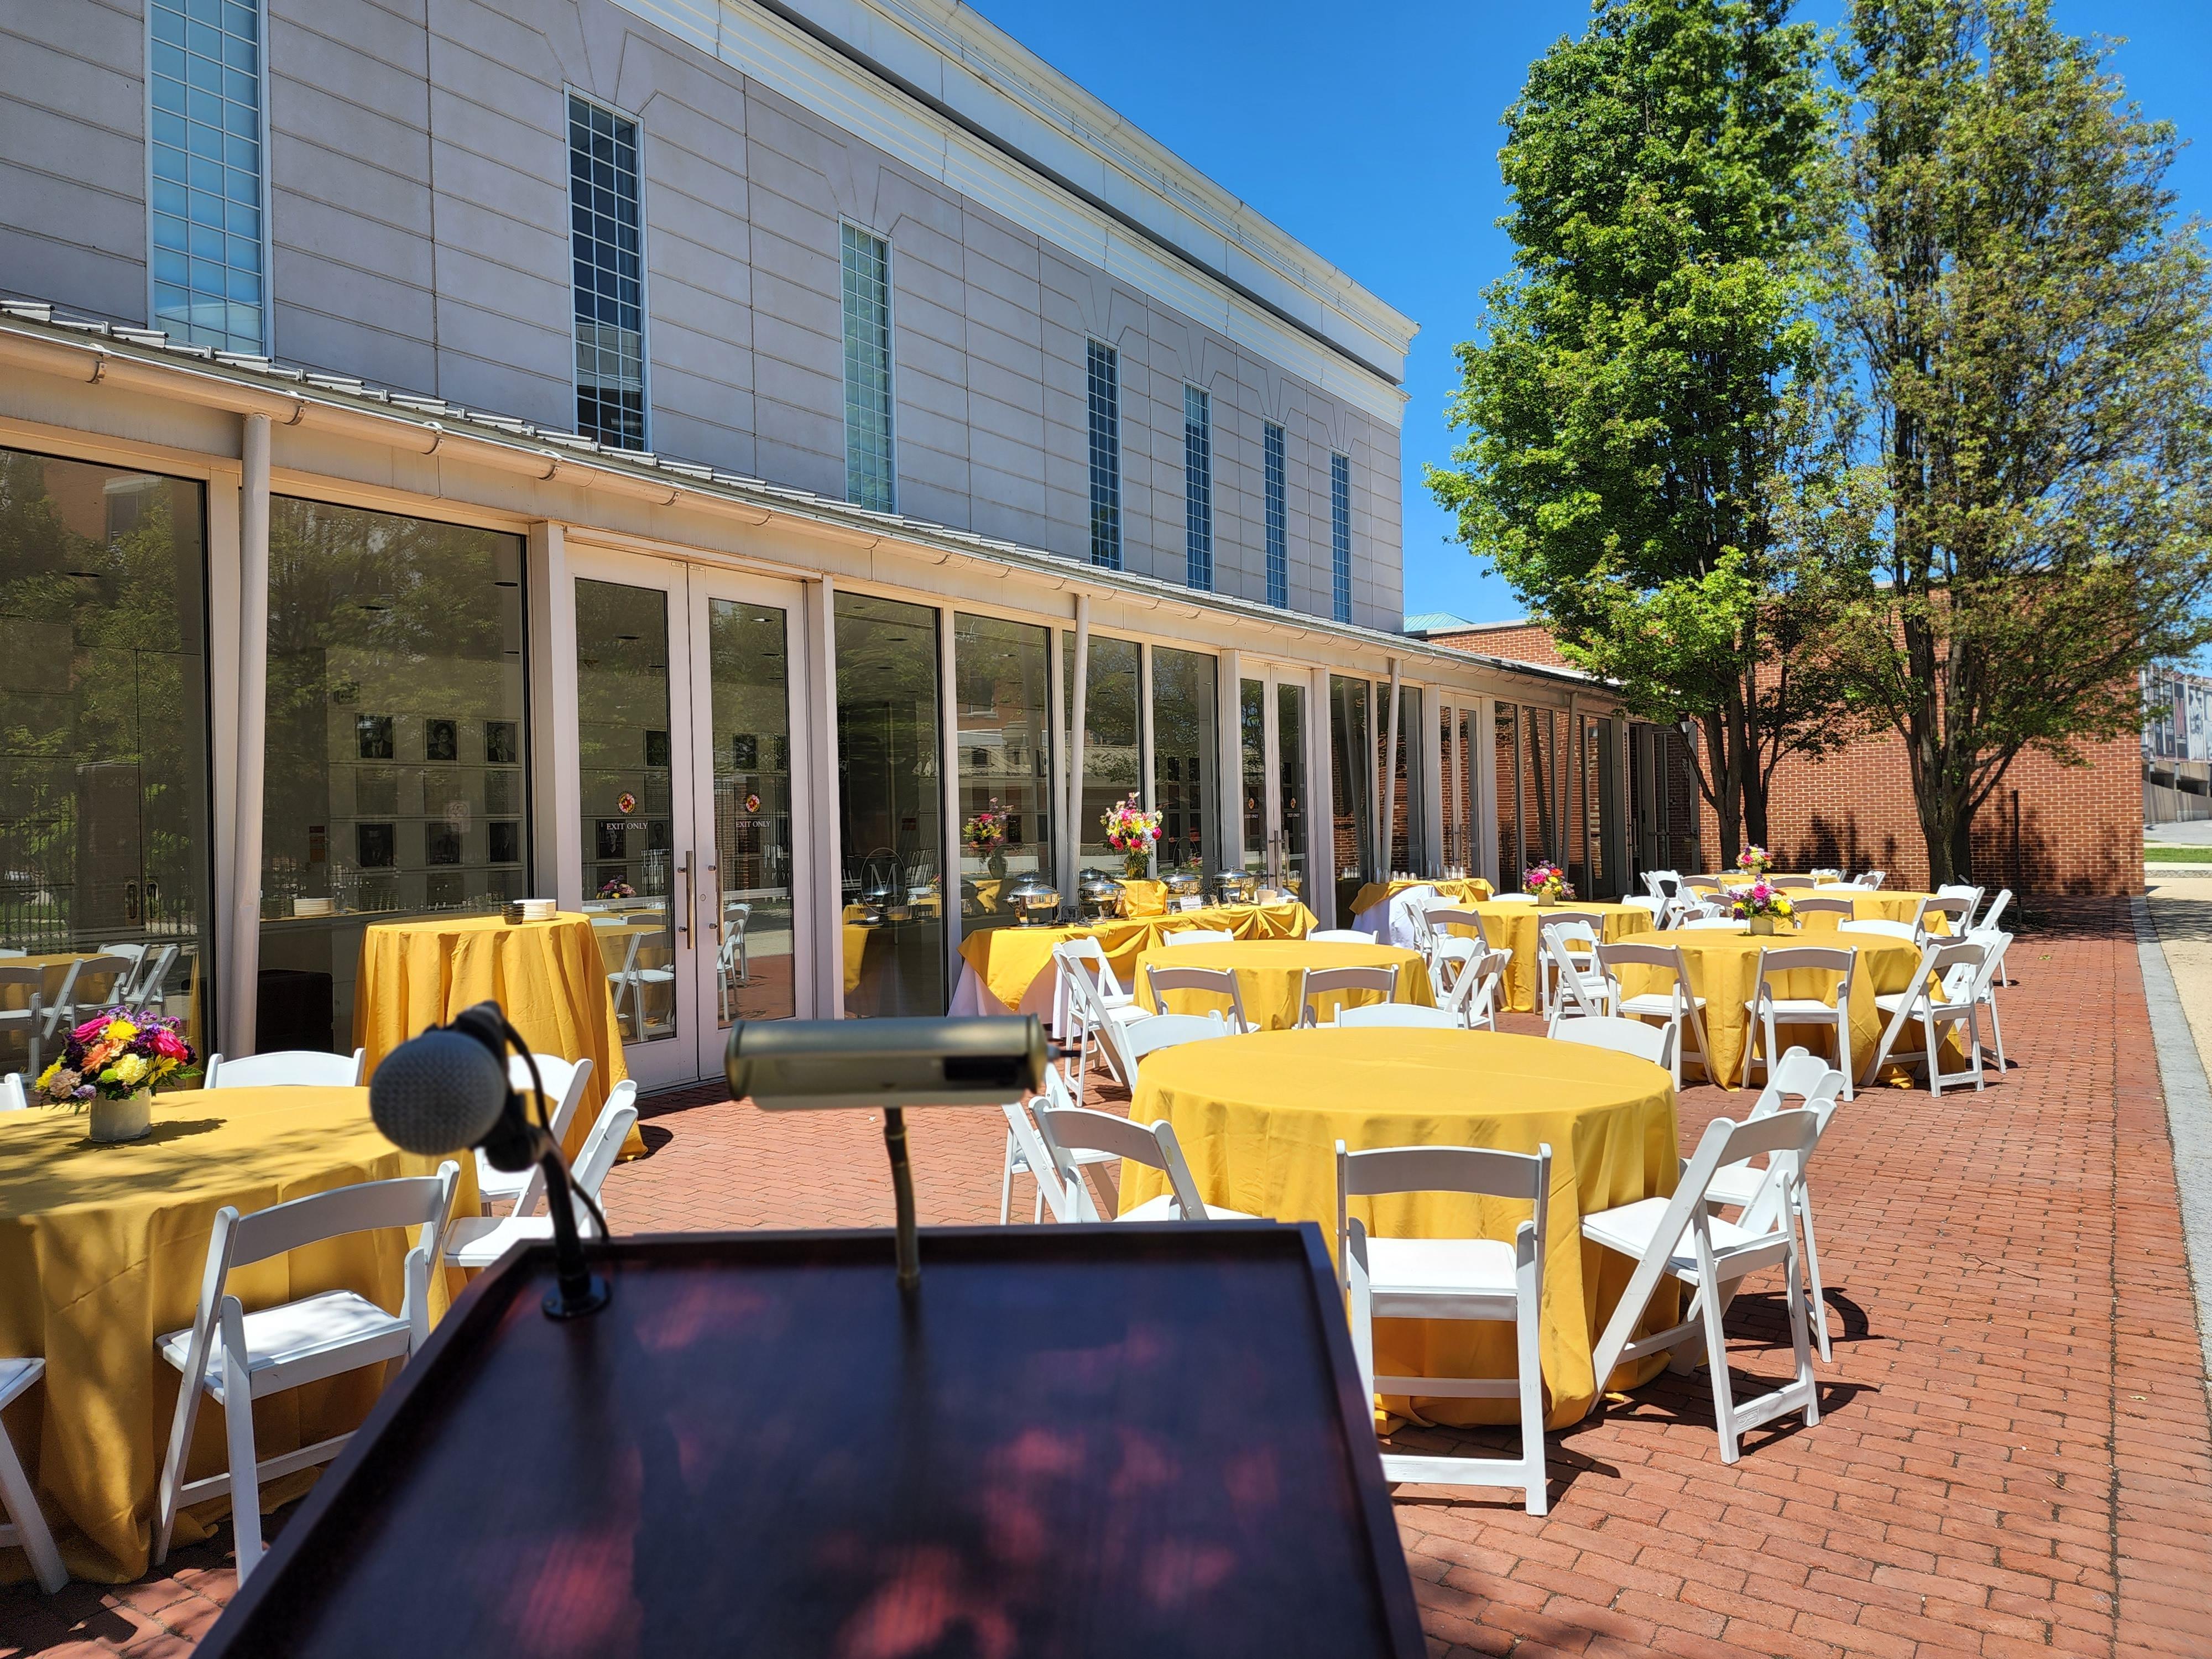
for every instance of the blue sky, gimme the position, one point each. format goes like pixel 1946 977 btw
pixel 1370 133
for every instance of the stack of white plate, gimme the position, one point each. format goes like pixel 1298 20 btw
pixel 539 909
pixel 311 906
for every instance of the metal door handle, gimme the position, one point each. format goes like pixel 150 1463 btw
pixel 715 871
pixel 683 923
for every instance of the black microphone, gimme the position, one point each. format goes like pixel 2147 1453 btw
pixel 447 1091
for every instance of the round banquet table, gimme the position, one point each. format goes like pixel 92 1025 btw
pixel 549 976
pixel 1259 1118
pixel 1724 971
pixel 102 1249
pixel 1513 927
pixel 1270 973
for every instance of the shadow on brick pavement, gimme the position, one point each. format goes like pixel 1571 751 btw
pixel 2013 1457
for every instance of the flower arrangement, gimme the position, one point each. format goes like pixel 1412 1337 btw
pixel 985 832
pixel 1759 900
pixel 1545 881
pixel 616 888
pixel 1131 832
pixel 114 1054
pixel 1755 861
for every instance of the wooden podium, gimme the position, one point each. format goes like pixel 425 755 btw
pixel 1134 1440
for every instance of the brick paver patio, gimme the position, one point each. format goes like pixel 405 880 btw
pixel 2015 1457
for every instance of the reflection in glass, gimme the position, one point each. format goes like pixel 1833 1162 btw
pixel 1540 794
pixel 1110 762
pixel 751 745
pixel 889 816
pixel 1002 670
pixel 1252 744
pixel 1509 865
pixel 623 780
pixel 1407 799
pixel 1290 781
pixel 393 641
pixel 103 740
pixel 1184 744
pixel 1352 785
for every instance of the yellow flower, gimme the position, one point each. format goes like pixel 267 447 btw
pixel 47 1076
pixel 130 1068
pixel 119 1030
pixel 163 1067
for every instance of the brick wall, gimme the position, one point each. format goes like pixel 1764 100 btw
pixel 2049 829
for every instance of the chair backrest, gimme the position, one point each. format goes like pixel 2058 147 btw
pixel 1971 894
pixel 1958 966
pixel 1087 1008
pixel 1693 922
pixel 1573 989
pixel 1036 1154
pixel 1399 1013
pixel 1957 909
pixel 1144 1037
pixel 1207 981
pixel 1813 905
pixel 1662 884
pixel 1199 936
pixel 309 1068
pixel 1654 907
pixel 1474 1169
pixel 1997 907
pixel 1339 936
pixel 1382 978
pixel 604 1144
pixel 1476 984
pixel 418 1202
pixel 564 1081
pixel 1624 1036
pixel 13 1097
pixel 1086 957
pixel 1791 882
pixel 1630 952
pixel 1512 898
pixel 33 977
pixel 1904 930
pixel 1583 927
pixel 1444 917
pixel 1873 878
pixel 1069 1129
pixel 1806 958
pixel 1793 1077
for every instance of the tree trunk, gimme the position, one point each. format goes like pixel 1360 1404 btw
pixel 1721 783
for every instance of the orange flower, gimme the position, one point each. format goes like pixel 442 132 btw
pixel 95 1057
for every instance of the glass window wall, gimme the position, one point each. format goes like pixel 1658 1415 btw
pixel 1112 766
pixel 1407 798
pixel 1351 787
pixel 1290 781
pixel 750 744
pixel 1185 746
pixel 890 817
pixel 1252 746
pixel 1002 671
pixel 395 777
pixel 1506 724
pixel 104 892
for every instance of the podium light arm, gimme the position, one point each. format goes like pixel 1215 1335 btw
pixel 909 1247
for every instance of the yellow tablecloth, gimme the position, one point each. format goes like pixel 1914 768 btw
pixel 1268 975
pixel 1724 971
pixel 102 1249
pixel 1008 960
pixel 548 976
pixel 1144 899
pixel 1513 927
pixel 1472 890
pixel 1259 1118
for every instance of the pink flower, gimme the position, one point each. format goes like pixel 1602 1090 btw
pixel 167 1045
pixel 91 1029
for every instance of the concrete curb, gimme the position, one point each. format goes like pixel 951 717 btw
pixel 2188 1113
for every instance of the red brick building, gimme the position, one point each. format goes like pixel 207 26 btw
pixel 2048 829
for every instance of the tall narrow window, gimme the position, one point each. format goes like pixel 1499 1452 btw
pixel 868 470
pixel 1279 552
pixel 1105 456
pixel 205 83
pixel 1340 533
pixel 1197 488
pixel 604 240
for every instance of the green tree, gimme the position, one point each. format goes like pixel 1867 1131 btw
pixel 2031 329
pixel 1649 404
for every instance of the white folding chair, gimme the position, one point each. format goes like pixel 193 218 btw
pixel 1662 884
pixel 732 966
pixel 629 982
pixel 1098 1007
pixel 1209 936
pixel 565 1081
pixel 1069 1130
pixel 1161 979
pixel 25 1527
pixel 1474 996
pixel 1791 883
pixel 292 1068
pixel 1679 1007
pixel 1882 929
pixel 81 988
pixel 13 1096
pixel 1624 1036
pixel 1512 898
pixel 1813 904
pixel 1965 893
pixel 236 1357
pixel 1693 923
pixel 1161 1031
pixel 1954 909
pixel 1444 917
pixel 1680 1238
pixel 1399 1013
pixel 1766 1011
pixel 1382 979
pixel 1873 879
pixel 1998 906
pixel 1026 1154
pixel 1957 966
pixel 1996 942
pixel 1485 1279
pixel 1569 977
pixel 1338 936
pixel 34 1019
pixel 479 1241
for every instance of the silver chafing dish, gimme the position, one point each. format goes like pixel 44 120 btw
pixel 1033 900
pixel 1181 885
pixel 1235 887
pixel 1099 897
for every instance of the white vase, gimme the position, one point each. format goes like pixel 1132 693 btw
pixel 1762 926
pixel 122 1120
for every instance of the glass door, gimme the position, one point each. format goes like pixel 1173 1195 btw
pixel 686 730
pixel 1271 719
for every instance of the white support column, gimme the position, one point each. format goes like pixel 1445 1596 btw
pixel 557 839
pixel 1432 737
pixel 828 902
pixel 1482 756
pixel 1073 835
pixel 1387 774
pixel 948 771
pixel 1228 804
pixel 1321 804
pixel 222 604
pixel 1062 872
pixel 253 733
pixel 1147 766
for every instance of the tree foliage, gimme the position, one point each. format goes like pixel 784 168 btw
pixel 2032 327
pixel 1652 399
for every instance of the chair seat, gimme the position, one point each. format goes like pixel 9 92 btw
pixel 1653 1004
pixel 1789 1008
pixel 337 1323
pixel 1440 1267
pixel 1890 1002
pixel 1128 1014
pixel 1737 1184
pixel 1163 1208
pixel 479 1241
pixel 650 976
pixel 1628 1230
pixel 1019 1161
